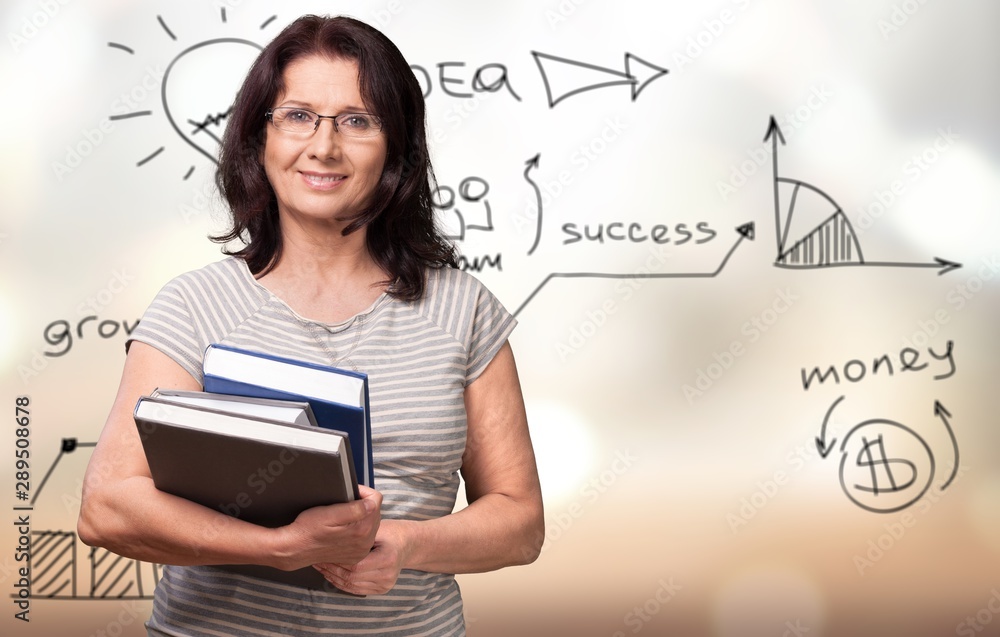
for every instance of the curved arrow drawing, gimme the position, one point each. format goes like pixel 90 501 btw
pixel 944 414
pixel 821 445
pixel 533 163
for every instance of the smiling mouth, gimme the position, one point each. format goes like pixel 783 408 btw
pixel 323 181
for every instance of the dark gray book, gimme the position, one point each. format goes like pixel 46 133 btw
pixel 263 461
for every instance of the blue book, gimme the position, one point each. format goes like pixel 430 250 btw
pixel 338 397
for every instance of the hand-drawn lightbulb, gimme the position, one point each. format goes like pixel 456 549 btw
pixel 199 87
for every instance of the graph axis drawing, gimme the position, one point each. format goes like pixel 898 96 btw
pixel 830 243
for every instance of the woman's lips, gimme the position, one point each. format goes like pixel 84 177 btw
pixel 318 181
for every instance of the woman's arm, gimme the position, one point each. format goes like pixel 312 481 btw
pixel 122 510
pixel 503 524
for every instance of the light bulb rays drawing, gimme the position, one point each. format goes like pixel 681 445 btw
pixel 198 89
pixel 811 229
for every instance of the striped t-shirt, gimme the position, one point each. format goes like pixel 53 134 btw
pixel 419 357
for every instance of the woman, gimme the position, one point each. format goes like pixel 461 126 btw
pixel 324 164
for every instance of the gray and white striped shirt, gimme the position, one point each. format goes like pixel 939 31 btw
pixel 419 357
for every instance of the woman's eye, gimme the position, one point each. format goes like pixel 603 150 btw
pixel 358 122
pixel 297 116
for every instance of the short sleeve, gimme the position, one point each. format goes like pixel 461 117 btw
pixel 491 326
pixel 461 306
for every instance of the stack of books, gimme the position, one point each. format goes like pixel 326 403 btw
pixel 268 438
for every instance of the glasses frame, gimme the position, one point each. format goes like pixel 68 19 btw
pixel 269 116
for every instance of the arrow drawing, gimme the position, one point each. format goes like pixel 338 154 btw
pixel 533 163
pixel 944 414
pixel 746 231
pixel 69 445
pixel 821 444
pixel 570 77
pixel 824 241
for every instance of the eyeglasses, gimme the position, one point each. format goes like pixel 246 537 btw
pixel 301 120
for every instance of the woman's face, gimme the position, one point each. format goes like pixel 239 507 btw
pixel 322 176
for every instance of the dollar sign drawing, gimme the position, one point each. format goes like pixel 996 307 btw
pixel 867 459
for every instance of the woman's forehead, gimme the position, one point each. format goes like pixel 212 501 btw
pixel 319 78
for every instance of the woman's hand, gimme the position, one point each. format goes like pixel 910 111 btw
pixel 377 573
pixel 341 533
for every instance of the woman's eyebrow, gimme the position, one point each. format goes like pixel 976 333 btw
pixel 346 109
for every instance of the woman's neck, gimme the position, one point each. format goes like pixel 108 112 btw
pixel 326 278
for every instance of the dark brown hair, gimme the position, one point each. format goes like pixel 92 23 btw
pixel 401 235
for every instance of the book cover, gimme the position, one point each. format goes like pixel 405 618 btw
pixel 338 397
pixel 262 471
pixel 294 412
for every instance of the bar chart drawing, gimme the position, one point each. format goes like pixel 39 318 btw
pixel 63 568
pixel 831 242
pixel 54 556
pixel 111 577
pixel 115 577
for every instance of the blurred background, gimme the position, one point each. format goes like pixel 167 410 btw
pixel 675 416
